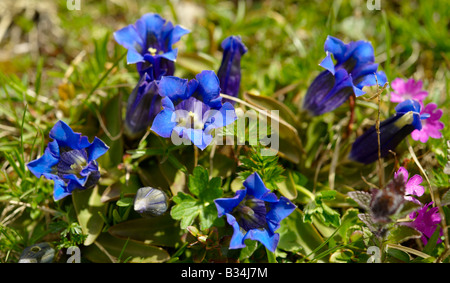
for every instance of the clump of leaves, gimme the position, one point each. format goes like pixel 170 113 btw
pixel 70 231
pixel 200 203
pixel 268 168
pixel 317 207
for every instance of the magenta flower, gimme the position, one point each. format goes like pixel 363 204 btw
pixel 413 187
pixel 407 90
pixel 425 221
pixel 430 127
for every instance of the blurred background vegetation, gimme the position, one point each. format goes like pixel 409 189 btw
pixel 57 63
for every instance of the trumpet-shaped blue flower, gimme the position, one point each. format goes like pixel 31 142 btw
pixel 149 42
pixel 254 213
pixel 392 131
pixel 144 103
pixel 230 69
pixel 192 109
pixel 353 69
pixel 69 160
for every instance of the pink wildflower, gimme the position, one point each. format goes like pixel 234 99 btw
pixel 431 126
pixel 407 90
pixel 413 187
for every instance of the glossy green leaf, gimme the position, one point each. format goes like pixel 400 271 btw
pixel 297 235
pixel 88 205
pixel 112 121
pixel 188 208
pixel 159 231
pixel 401 233
pixel 127 250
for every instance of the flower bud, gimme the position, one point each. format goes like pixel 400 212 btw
pixel 392 131
pixel 151 202
pixel 143 104
pixel 38 253
pixel 229 72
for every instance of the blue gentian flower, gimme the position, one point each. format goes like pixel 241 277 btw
pixel 192 109
pixel 144 103
pixel 254 213
pixel 149 42
pixel 230 69
pixel 69 160
pixel 392 131
pixel 354 69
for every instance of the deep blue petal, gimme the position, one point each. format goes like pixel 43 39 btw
pixel 321 99
pixel 79 181
pixel 336 47
pixel 278 211
pixel 226 205
pixel 129 38
pixel 256 187
pixel 209 89
pixel 196 136
pixel 268 239
pixel 171 55
pixel 237 240
pixel 362 52
pixel 173 87
pixel 328 63
pixel 176 34
pixel 220 118
pixel 408 105
pixel 66 137
pixel 96 149
pixel 164 123
pixel 149 24
pixel 134 57
pixel 60 189
pixel 45 163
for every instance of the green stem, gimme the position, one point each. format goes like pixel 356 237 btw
pixel 271 257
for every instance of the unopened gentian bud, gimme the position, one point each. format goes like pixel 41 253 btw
pixel 151 202
pixel 392 131
pixel 144 103
pixel 38 253
pixel 229 72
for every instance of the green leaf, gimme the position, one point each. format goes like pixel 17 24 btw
pixel 246 252
pixel 322 211
pixel 89 207
pixel 431 244
pixel 113 124
pixel 125 202
pixel 159 231
pixel 133 252
pixel 188 208
pixel 198 181
pixel 296 235
pixel 401 233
